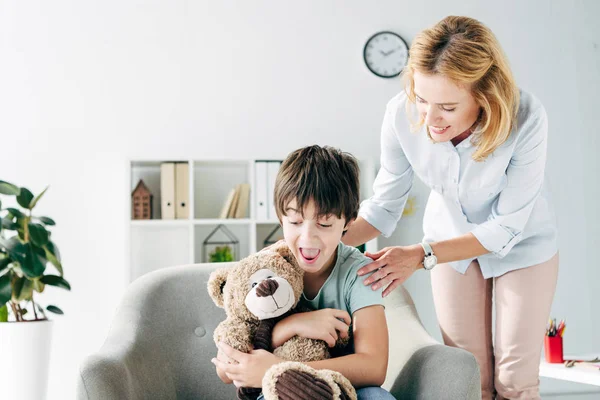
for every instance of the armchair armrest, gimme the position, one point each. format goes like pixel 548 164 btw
pixel 128 366
pixel 418 366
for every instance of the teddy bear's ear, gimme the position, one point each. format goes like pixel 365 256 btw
pixel 285 252
pixel 216 283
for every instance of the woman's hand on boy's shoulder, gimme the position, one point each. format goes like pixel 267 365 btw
pixel 392 266
pixel 326 324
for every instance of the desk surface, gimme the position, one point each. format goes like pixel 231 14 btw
pixel 578 373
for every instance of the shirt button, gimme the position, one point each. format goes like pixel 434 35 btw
pixel 454 180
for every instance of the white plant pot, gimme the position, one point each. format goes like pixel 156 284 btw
pixel 25 355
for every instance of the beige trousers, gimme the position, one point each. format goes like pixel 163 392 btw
pixel 522 298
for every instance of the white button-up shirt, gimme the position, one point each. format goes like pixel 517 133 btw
pixel 503 201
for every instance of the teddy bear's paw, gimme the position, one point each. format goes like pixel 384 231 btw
pixel 347 390
pixel 245 393
pixel 296 381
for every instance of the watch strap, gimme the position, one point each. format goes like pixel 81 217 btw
pixel 427 248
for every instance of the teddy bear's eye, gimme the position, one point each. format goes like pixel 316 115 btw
pixel 254 284
pixel 269 277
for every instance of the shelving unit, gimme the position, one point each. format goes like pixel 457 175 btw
pixel 158 243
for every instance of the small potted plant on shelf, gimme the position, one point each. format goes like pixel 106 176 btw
pixel 29 261
pixel 221 254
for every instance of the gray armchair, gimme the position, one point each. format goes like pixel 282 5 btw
pixel 160 345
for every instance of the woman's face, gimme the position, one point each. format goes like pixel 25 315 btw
pixel 448 110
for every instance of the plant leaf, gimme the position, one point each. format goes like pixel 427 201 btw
pixel 55 280
pixel 4 313
pixel 32 264
pixel 24 198
pixel 26 290
pixel 14 247
pixel 17 286
pixel 38 234
pixel 38 286
pixel 9 189
pixel 5 289
pixel 46 221
pixel 16 212
pixel 54 249
pixel 52 257
pixel 7 223
pixel 4 263
pixel 37 198
pixel 55 310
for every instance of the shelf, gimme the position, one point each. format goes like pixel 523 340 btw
pixel 158 243
pixel 224 221
pixel 160 222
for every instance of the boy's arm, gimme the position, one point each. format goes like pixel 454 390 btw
pixel 325 324
pixel 368 365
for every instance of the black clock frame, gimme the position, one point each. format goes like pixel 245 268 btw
pixel 365 53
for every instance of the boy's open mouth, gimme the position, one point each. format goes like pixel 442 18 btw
pixel 309 255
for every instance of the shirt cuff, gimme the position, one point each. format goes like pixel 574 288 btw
pixel 379 217
pixel 496 238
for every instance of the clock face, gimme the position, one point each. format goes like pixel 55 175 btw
pixel 385 54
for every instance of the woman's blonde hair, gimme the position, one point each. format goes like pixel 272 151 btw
pixel 467 52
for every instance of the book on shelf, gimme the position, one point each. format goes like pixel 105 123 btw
pixel 182 190
pixel 241 210
pixel 261 192
pixel 236 203
pixel 227 204
pixel 265 173
pixel 174 190
pixel 167 190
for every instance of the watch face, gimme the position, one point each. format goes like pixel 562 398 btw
pixel 430 262
pixel 385 54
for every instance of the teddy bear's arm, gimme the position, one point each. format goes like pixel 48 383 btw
pixel 236 333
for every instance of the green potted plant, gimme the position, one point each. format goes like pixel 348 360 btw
pixel 29 261
pixel 221 254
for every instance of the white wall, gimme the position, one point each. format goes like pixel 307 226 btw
pixel 87 85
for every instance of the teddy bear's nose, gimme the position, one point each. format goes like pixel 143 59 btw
pixel 266 288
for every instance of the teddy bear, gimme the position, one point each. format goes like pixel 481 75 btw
pixel 256 293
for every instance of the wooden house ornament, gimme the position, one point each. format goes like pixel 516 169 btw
pixel 141 202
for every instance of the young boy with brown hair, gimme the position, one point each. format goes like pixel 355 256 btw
pixel 316 199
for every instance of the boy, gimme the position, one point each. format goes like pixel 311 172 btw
pixel 316 199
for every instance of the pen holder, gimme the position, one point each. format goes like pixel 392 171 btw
pixel 553 349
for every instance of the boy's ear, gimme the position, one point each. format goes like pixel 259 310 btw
pixel 216 283
pixel 348 224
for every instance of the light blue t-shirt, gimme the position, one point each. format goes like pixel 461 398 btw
pixel 344 289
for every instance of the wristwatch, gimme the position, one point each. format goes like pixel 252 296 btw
pixel 430 259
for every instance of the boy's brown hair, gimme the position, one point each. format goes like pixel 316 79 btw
pixel 325 175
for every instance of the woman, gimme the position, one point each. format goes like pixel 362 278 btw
pixel 466 130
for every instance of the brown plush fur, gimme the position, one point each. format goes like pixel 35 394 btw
pixel 229 287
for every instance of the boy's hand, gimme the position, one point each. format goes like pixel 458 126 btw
pixel 247 369
pixel 223 358
pixel 325 324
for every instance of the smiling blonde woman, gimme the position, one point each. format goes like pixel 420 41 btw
pixel 466 130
